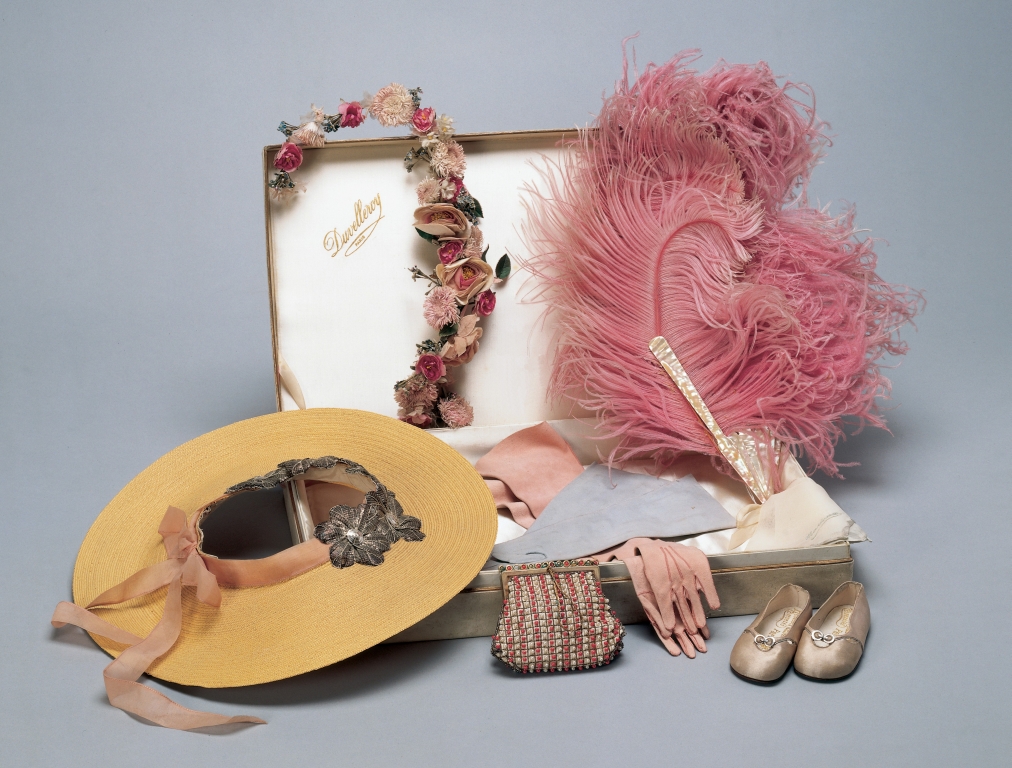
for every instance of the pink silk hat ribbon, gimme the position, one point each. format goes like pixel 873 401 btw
pixel 185 567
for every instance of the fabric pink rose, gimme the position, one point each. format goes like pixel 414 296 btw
pixel 467 277
pixel 431 366
pixel 442 221
pixel 352 114
pixel 449 251
pixel 485 303
pixel 460 348
pixel 288 158
pixel 418 418
pixel 423 119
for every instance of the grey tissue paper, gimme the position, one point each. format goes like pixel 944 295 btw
pixel 602 509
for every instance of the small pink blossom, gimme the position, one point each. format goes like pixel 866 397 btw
pixel 440 308
pixel 472 248
pixel 352 114
pixel 423 120
pixel 448 159
pixel 431 366
pixel 392 105
pixel 485 303
pixel 463 346
pixel 309 135
pixel 456 412
pixel 314 115
pixel 444 126
pixel 416 393
pixel 449 251
pixel 288 158
pixel 284 194
pixel 428 191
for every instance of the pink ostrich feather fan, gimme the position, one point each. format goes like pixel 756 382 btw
pixel 681 212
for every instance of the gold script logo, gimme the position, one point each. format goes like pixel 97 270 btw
pixel 353 237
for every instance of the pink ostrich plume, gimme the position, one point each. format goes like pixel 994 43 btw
pixel 682 213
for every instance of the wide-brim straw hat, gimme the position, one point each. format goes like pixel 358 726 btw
pixel 265 633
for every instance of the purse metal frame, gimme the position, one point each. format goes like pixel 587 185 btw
pixel 505 575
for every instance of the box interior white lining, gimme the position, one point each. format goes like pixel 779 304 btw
pixel 346 314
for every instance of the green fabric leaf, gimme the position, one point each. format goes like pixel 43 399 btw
pixel 466 204
pixel 428 347
pixel 503 268
pixel 425 235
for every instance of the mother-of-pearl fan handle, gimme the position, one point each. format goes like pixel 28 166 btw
pixel 752 476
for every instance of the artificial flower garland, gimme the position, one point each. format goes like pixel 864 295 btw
pixel 460 288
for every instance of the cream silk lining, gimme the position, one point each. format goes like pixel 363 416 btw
pixel 185 566
pixel 802 514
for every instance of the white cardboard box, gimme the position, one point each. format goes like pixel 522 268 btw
pixel 345 318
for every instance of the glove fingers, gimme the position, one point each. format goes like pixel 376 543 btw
pixel 694 565
pixel 686 644
pixel 678 634
pixel 704 584
pixel 687 559
pixel 667 625
pixel 659 576
pixel 681 588
pixel 671 646
pixel 668 578
pixel 698 614
pixel 663 633
pixel 695 561
pixel 654 616
pixel 685 610
pixel 647 599
pixel 697 640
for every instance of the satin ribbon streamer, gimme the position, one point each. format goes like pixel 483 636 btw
pixel 290 383
pixel 185 567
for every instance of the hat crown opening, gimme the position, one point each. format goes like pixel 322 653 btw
pixel 256 518
pixel 245 526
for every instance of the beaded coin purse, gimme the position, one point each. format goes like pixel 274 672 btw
pixel 555 618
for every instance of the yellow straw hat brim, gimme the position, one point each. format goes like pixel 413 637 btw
pixel 260 634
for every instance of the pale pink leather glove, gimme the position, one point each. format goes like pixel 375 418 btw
pixel 668 578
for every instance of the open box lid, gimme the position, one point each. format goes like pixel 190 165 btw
pixel 345 313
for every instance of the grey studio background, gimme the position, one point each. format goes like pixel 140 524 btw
pixel 134 316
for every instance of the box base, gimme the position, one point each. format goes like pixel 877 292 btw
pixel 745 582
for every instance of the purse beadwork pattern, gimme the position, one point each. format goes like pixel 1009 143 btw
pixel 555 618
